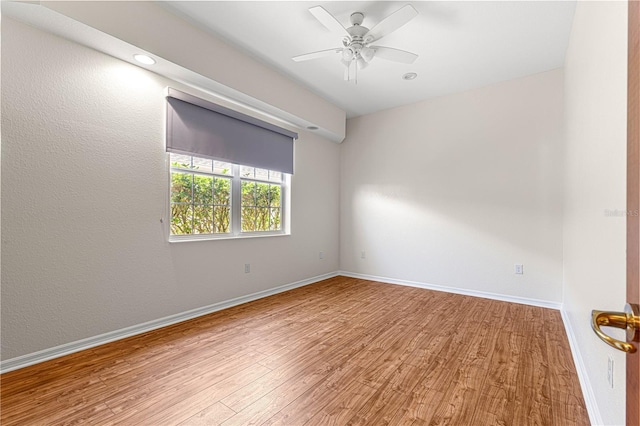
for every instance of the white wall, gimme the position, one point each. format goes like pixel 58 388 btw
pixel 595 173
pixel 454 191
pixel 84 185
pixel 154 28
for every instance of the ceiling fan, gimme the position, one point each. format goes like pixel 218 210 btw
pixel 357 50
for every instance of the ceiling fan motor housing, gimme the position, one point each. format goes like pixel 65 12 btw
pixel 354 45
pixel 357 31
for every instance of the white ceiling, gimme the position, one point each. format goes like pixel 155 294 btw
pixel 462 45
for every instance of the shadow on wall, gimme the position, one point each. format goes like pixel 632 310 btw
pixel 459 189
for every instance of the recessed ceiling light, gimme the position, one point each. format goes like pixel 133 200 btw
pixel 144 59
pixel 312 127
pixel 409 76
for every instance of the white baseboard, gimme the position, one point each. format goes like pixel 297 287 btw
pixel 587 390
pixel 466 292
pixel 90 342
pixel 69 348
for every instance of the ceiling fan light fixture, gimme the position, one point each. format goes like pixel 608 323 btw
pixel 348 54
pixel 367 54
pixel 410 76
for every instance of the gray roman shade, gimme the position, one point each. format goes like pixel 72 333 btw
pixel 204 129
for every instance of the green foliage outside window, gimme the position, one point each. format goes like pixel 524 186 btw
pixel 260 207
pixel 201 203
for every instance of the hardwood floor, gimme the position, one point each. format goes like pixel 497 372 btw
pixel 342 351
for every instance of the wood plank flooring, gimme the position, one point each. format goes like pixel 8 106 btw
pixel 340 352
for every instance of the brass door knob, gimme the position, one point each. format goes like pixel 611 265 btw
pixel 627 320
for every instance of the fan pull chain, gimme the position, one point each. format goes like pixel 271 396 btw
pixel 355 63
pixel 355 72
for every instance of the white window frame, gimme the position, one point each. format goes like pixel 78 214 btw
pixel 236 205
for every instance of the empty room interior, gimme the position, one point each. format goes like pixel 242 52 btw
pixel 340 212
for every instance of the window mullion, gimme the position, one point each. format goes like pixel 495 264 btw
pixel 193 206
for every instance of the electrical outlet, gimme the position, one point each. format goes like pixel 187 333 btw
pixel 519 269
pixel 247 268
pixel 363 254
pixel 321 255
pixel 610 371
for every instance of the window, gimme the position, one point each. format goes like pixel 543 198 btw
pixel 215 199
pixel 229 172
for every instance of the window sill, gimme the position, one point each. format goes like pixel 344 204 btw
pixel 191 238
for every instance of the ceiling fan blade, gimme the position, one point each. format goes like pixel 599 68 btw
pixel 315 55
pixel 328 20
pixel 396 55
pixel 392 22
